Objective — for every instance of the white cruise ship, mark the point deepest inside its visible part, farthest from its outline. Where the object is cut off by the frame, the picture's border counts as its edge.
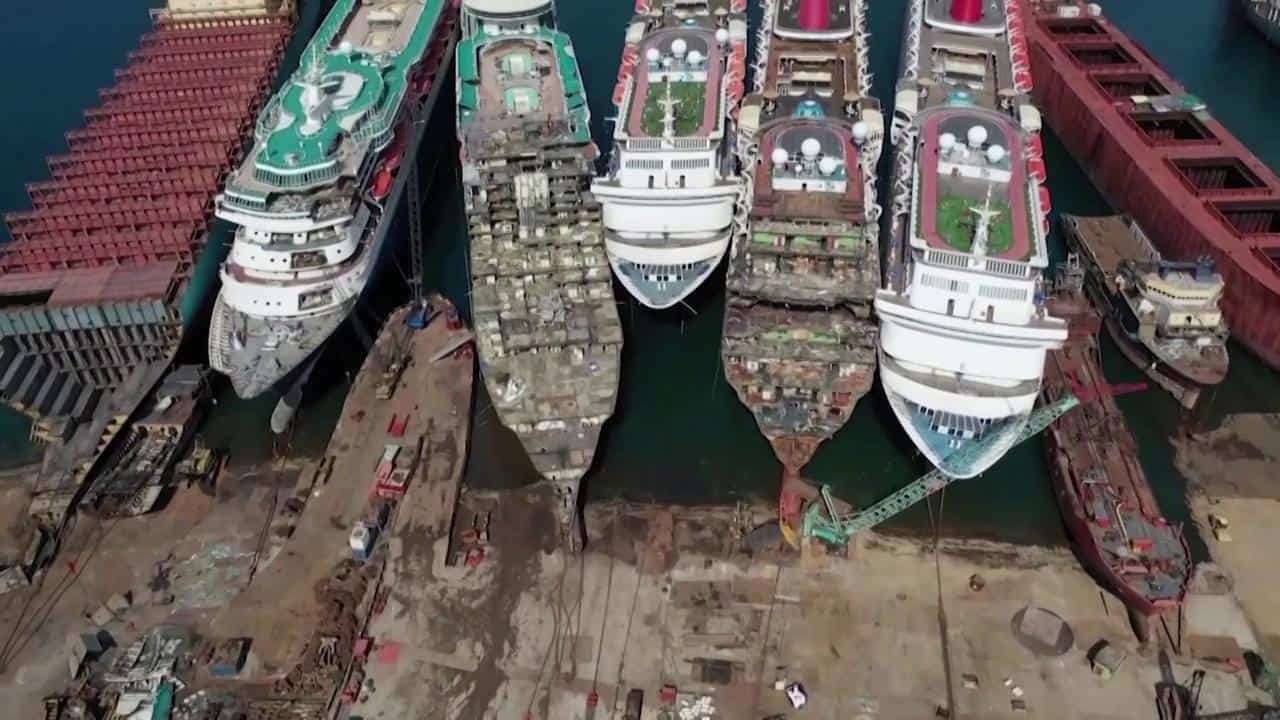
(310, 197)
(963, 326)
(670, 192)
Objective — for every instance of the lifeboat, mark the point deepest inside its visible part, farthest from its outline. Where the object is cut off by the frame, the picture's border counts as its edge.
(1045, 205)
(1036, 169)
(1035, 146)
(382, 183)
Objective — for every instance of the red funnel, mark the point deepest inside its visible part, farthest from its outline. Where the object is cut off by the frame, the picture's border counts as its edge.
(815, 14)
(966, 11)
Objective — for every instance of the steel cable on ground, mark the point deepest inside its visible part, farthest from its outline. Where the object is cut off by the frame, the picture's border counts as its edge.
(942, 609)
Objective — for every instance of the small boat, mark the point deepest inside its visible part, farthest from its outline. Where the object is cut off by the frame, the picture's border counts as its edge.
(1164, 316)
(1106, 502)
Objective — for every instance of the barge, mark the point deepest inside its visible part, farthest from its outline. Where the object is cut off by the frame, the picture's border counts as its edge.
(547, 329)
(104, 273)
(1163, 316)
(672, 184)
(1158, 155)
(799, 341)
(1110, 512)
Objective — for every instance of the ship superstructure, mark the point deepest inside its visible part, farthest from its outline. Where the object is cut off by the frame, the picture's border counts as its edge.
(310, 199)
(669, 194)
(962, 320)
(547, 328)
(1163, 315)
(799, 341)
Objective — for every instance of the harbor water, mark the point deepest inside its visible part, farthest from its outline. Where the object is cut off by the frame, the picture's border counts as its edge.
(679, 433)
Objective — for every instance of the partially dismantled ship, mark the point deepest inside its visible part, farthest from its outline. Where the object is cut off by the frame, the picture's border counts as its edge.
(1264, 15)
(1158, 156)
(1163, 316)
(963, 328)
(546, 325)
(669, 194)
(315, 199)
(1103, 493)
(799, 341)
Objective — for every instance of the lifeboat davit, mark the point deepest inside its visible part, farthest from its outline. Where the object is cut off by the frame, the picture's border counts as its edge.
(1036, 169)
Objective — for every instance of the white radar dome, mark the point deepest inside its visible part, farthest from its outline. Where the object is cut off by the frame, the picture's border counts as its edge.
(345, 47)
(653, 55)
(810, 148)
(667, 62)
(695, 57)
(678, 47)
(722, 36)
(828, 165)
(780, 156)
(946, 141)
(976, 136)
(995, 154)
(860, 131)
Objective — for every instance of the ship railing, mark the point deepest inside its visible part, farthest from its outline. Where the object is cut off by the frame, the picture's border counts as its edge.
(911, 45)
(267, 119)
(862, 46)
(965, 261)
(764, 36)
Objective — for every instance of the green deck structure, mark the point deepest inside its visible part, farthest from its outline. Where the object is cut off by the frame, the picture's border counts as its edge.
(956, 224)
(288, 156)
(690, 98)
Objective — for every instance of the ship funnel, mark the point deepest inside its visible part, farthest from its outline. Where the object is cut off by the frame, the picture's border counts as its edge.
(966, 11)
(810, 148)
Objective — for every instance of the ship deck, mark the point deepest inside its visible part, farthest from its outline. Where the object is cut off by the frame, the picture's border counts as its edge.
(697, 90)
(819, 18)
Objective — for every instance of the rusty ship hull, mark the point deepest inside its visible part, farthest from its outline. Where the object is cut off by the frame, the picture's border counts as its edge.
(1157, 155)
(799, 339)
(1182, 377)
(1106, 502)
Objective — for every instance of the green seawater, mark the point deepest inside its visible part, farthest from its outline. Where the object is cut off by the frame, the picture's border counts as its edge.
(679, 433)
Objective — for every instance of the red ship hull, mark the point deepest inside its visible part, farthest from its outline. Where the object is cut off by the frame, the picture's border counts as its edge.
(1191, 185)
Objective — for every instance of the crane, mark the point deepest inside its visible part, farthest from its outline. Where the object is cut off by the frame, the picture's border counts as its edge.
(835, 528)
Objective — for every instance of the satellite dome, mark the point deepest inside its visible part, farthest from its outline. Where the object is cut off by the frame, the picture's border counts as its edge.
(345, 47)
(977, 135)
(946, 141)
(780, 156)
(667, 62)
(695, 57)
(828, 165)
(653, 54)
(995, 154)
(722, 36)
(678, 47)
(810, 148)
(860, 131)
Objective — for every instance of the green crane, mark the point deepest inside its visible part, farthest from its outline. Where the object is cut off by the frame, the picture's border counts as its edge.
(835, 529)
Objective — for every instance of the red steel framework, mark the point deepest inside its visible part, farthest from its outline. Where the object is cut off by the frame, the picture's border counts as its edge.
(1162, 159)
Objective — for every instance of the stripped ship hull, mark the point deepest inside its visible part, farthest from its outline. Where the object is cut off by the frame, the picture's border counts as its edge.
(1158, 156)
(1107, 503)
(799, 340)
(547, 328)
(260, 352)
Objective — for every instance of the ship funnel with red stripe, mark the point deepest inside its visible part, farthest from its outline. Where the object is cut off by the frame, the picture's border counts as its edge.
(966, 11)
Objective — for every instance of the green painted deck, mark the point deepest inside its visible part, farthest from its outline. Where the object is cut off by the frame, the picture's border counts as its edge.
(691, 98)
(366, 117)
(956, 224)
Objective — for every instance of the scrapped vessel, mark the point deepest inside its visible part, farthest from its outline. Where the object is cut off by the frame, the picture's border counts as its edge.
(1108, 506)
(146, 459)
(669, 195)
(314, 200)
(1159, 157)
(542, 302)
(799, 343)
(963, 327)
(1265, 15)
(104, 273)
(1163, 315)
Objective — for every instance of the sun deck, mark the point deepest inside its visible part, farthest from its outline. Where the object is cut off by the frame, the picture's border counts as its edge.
(681, 69)
(973, 186)
(797, 68)
(814, 19)
(810, 171)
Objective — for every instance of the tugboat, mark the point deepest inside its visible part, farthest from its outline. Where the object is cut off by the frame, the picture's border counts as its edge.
(1108, 506)
(1163, 315)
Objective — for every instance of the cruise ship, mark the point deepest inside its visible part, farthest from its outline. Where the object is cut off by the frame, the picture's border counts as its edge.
(547, 328)
(963, 322)
(799, 340)
(310, 199)
(669, 194)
